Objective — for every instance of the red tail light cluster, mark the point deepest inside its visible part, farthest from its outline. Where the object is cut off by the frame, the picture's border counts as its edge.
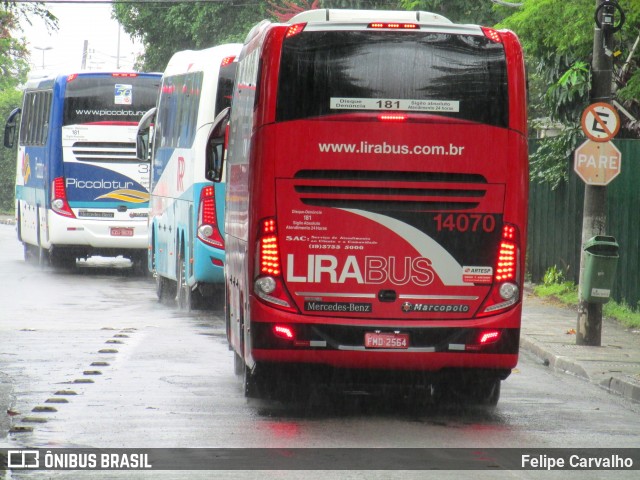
(269, 256)
(268, 282)
(59, 202)
(208, 230)
(505, 291)
(507, 256)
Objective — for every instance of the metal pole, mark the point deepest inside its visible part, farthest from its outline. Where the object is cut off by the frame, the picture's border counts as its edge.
(594, 220)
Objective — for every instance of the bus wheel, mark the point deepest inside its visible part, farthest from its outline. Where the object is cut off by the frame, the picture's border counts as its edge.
(185, 300)
(62, 260)
(31, 253)
(483, 392)
(139, 264)
(254, 381)
(165, 288)
(238, 364)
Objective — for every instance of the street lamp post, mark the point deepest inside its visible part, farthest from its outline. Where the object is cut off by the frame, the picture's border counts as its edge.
(43, 50)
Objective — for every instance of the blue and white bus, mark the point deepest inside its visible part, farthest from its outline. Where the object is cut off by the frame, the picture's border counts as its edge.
(80, 189)
(186, 246)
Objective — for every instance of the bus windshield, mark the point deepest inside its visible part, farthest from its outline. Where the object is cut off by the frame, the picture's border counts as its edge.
(91, 99)
(334, 72)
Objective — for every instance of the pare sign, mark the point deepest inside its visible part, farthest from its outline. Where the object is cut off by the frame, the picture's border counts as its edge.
(597, 163)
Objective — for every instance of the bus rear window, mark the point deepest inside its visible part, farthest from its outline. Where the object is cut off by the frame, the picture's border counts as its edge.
(90, 99)
(334, 72)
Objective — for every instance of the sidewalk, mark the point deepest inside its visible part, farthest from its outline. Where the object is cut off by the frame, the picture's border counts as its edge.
(546, 332)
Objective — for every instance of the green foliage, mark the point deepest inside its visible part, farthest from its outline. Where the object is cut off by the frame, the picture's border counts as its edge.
(13, 53)
(553, 275)
(566, 97)
(9, 99)
(565, 292)
(165, 28)
(550, 162)
(460, 11)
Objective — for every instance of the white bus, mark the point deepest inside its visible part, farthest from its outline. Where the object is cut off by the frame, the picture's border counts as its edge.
(80, 190)
(186, 246)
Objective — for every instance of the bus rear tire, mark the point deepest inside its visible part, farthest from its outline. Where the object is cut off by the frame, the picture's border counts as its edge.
(185, 295)
(255, 382)
(482, 392)
(62, 260)
(165, 288)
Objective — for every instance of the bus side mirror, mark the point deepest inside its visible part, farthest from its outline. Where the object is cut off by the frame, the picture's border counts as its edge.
(214, 160)
(10, 128)
(144, 136)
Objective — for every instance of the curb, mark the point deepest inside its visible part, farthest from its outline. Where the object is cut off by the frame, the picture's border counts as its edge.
(623, 385)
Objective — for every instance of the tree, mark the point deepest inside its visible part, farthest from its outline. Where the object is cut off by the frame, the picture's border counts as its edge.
(165, 28)
(557, 38)
(14, 55)
(484, 12)
(9, 99)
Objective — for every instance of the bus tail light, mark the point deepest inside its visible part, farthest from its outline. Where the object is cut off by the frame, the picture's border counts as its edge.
(59, 202)
(392, 118)
(268, 283)
(283, 331)
(492, 34)
(208, 230)
(395, 25)
(505, 291)
(226, 61)
(294, 30)
(484, 339)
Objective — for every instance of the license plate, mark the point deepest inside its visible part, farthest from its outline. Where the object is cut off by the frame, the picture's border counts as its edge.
(386, 340)
(122, 232)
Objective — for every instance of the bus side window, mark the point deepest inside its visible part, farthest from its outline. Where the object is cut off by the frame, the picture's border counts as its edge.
(10, 128)
(216, 146)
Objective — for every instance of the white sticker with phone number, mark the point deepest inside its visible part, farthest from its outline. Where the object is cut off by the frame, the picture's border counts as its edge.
(340, 103)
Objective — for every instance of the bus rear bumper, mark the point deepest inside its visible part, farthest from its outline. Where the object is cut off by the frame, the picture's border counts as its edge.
(386, 360)
(98, 234)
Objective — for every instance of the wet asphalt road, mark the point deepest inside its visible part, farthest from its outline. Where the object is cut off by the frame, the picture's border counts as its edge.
(89, 358)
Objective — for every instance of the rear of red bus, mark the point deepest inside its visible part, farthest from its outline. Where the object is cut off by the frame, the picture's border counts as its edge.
(386, 185)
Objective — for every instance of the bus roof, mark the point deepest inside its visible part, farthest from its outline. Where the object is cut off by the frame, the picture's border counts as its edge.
(47, 80)
(200, 60)
(359, 16)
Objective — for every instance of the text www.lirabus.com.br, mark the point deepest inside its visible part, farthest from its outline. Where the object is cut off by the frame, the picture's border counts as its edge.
(391, 149)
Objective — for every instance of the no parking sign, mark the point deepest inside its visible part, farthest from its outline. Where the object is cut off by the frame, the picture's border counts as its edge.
(600, 122)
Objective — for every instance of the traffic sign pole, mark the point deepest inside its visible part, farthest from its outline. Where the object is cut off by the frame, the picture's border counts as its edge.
(594, 220)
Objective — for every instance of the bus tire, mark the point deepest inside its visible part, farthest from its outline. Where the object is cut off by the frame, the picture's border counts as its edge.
(238, 364)
(254, 382)
(185, 295)
(165, 288)
(482, 392)
(62, 260)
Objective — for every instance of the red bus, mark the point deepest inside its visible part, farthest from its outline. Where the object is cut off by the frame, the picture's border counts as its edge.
(376, 209)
